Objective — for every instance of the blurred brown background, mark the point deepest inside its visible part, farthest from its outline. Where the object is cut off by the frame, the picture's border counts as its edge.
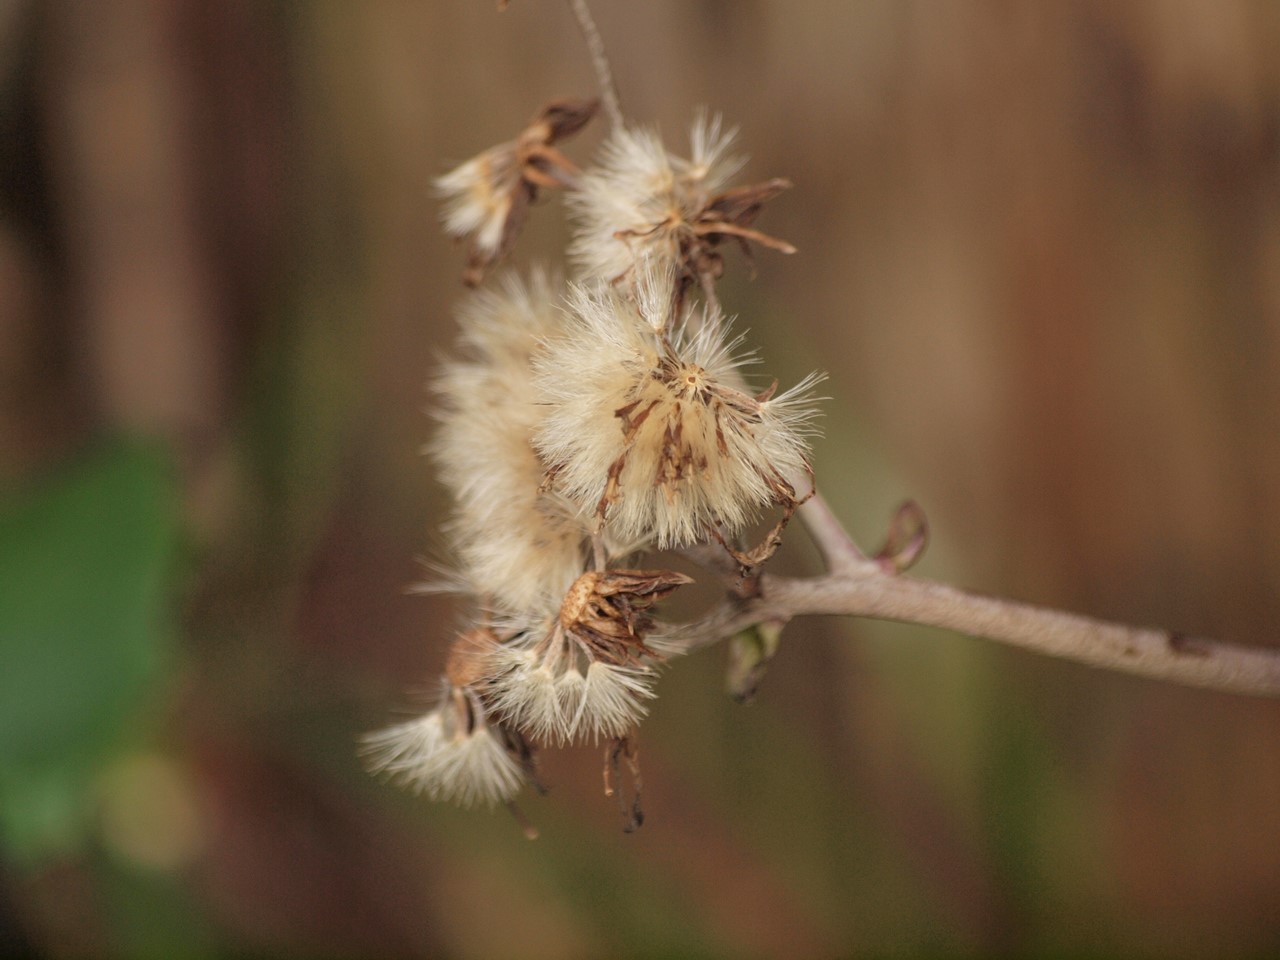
(1040, 260)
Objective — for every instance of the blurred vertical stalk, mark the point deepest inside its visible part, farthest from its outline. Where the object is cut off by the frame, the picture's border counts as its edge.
(120, 110)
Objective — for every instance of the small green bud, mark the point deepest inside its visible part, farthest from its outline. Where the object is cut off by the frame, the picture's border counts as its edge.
(749, 654)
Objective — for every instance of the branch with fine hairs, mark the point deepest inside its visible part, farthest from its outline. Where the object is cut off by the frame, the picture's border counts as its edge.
(604, 75)
(858, 586)
(838, 549)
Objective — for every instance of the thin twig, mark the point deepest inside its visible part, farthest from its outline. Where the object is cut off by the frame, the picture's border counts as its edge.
(1155, 653)
(604, 75)
(838, 550)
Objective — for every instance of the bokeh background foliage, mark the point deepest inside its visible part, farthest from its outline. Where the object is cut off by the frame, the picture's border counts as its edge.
(1040, 258)
(84, 586)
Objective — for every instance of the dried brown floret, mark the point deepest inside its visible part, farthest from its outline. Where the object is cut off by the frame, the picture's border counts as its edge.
(487, 197)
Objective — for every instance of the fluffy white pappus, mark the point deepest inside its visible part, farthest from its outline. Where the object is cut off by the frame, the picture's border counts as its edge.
(500, 327)
(520, 547)
(451, 753)
(667, 643)
(653, 292)
(612, 700)
(546, 685)
(478, 197)
(638, 200)
(654, 431)
(516, 567)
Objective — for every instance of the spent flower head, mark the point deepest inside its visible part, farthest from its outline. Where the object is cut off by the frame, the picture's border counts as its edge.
(516, 544)
(457, 751)
(586, 671)
(486, 198)
(642, 202)
(654, 432)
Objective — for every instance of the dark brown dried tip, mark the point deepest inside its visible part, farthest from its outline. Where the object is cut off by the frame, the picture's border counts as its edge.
(566, 117)
(606, 611)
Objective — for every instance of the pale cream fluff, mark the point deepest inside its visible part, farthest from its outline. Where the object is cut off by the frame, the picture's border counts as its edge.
(452, 753)
(546, 684)
(478, 196)
(652, 430)
(520, 547)
(638, 200)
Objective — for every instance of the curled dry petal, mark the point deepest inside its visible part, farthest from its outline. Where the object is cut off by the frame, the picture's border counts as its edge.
(906, 540)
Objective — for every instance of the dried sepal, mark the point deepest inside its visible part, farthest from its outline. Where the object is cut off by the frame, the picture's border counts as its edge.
(729, 214)
(606, 611)
(906, 539)
(750, 560)
(487, 198)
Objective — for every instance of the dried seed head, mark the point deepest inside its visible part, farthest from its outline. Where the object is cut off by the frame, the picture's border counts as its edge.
(455, 752)
(605, 611)
(640, 201)
(486, 198)
(586, 672)
(547, 687)
(653, 432)
(519, 546)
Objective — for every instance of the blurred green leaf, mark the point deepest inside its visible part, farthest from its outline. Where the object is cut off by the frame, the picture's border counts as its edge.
(84, 572)
(152, 916)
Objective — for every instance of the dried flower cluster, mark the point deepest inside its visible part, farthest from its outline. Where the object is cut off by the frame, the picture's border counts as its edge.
(582, 426)
(586, 426)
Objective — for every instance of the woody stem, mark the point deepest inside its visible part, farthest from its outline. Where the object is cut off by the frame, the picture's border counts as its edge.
(839, 552)
(865, 590)
(599, 60)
